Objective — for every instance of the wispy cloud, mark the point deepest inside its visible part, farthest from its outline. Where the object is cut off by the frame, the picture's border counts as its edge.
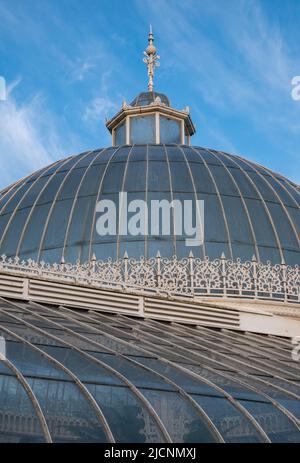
(28, 141)
(241, 66)
(98, 109)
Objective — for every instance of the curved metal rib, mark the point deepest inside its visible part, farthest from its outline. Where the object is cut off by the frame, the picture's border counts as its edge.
(202, 379)
(131, 386)
(75, 379)
(32, 397)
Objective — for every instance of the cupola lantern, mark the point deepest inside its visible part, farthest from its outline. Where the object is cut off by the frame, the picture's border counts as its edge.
(149, 118)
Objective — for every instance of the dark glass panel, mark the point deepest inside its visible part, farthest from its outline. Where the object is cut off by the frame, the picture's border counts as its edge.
(81, 366)
(14, 231)
(192, 155)
(291, 257)
(34, 192)
(15, 200)
(70, 417)
(127, 417)
(202, 179)
(34, 230)
(139, 153)
(56, 229)
(142, 129)
(135, 373)
(276, 425)
(188, 383)
(245, 186)
(170, 130)
(269, 253)
(120, 134)
(92, 180)
(214, 223)
(238, 222)
(87, 160)
(32, 363)
(156, 153)
(52, 188)
(263, 187)
(71, 183)
(113, 178)
(80, 226)
(180, 177)
(134, 248)
(18, 419)
(284, 230)
(158, 176)
(122, 154)
(136, 178)
(223, 180)
(231, 423)
(182, 421)
(263, 230)
(208, 157)
(107, 155)
(281, 191)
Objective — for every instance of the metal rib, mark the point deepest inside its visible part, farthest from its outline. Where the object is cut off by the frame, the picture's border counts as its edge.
(219, 198)
(279, 199)
(263, 203)
(13, 214)
(241, 197)
(55, 201)
(196, 197)
(97, 199)
(131, 386)
(228, 345)
(240, 362)
(122, 189)
(202, 379)
(59, 167)
(58, 364)
(32, 397)
(172, 198)
(76, 197)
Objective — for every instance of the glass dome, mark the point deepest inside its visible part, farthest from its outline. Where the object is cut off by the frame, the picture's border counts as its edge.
(147, 98)
(249, 210)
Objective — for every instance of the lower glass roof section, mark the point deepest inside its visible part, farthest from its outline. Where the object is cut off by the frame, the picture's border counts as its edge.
(87, 376)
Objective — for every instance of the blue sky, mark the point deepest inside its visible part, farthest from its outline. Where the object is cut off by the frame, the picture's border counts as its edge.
(69, 63)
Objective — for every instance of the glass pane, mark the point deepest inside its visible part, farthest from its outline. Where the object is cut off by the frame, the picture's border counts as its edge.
(231, 423)
(182, 421)
(170, 130)
(142, 129)
(276, 425)
(69, 416)
(127, 418)
(120, 134)
(18, 419)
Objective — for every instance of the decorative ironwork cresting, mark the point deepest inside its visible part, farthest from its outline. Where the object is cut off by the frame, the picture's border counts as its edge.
(151, 59)
(188, 277)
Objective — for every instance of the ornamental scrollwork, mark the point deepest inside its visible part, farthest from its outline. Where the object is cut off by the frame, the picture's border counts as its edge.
(188, 276)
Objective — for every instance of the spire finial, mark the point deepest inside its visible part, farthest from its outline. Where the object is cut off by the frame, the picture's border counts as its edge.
(151, 59)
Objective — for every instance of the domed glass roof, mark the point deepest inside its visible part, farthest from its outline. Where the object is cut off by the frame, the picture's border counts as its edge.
(147, 98)
(249, 210)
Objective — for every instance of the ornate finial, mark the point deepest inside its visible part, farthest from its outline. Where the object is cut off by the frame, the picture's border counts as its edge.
(151, 59)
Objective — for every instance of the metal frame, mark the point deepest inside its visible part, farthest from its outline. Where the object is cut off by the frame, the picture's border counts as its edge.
(120, 320)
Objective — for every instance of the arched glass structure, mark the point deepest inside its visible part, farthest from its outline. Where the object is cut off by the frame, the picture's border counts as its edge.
(147, 98)
(71, 376)
(249, 210)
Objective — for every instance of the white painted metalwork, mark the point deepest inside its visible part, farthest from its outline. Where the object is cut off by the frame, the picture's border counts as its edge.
(188, 277)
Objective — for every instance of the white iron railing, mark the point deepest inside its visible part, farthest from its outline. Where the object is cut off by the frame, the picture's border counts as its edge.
(189, 276)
